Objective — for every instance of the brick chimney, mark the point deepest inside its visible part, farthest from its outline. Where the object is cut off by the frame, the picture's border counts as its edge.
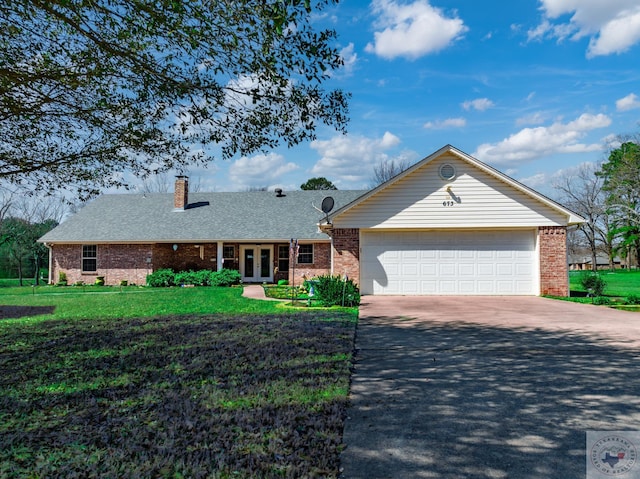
(181, 193)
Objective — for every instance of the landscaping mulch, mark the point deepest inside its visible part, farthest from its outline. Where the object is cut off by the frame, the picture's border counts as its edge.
(176, 397)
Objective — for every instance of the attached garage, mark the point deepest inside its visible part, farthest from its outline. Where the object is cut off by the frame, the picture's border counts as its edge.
(449, 262)
(452, 225)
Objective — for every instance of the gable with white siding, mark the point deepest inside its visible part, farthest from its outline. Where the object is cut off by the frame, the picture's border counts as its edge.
(478, 197)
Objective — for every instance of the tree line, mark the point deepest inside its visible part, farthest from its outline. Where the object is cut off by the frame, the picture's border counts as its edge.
(607, 195)
(23, 220)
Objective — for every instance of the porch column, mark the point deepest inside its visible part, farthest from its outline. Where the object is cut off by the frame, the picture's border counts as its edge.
(219, 256)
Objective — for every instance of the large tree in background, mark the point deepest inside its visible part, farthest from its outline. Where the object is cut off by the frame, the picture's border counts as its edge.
(621, 175)
(582, 191)
(387, 169)
(89, 90)
(319, 183)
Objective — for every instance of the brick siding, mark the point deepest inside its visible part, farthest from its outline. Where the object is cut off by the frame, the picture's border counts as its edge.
(186, 257)
(114, 262)
(554, 274)
(321, 264)
(118, 262)
(346, 252)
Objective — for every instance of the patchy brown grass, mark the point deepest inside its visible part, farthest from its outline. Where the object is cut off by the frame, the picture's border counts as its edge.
(216, 396)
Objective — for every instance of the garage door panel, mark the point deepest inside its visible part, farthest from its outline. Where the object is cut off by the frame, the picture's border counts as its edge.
(467, 270)
(428, 269)
(504, 269)
(485, 269)
(466, 287)
(448, 262)
(447, 254)
(447, 269)
(409, 269)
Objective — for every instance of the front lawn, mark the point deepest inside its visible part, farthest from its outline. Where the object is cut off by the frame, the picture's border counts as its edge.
(79, 302)
(178, 396)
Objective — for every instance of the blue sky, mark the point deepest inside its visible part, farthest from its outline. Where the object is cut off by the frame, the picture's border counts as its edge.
(531, 87)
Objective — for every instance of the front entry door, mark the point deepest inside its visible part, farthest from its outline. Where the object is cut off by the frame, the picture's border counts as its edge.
(256, 264)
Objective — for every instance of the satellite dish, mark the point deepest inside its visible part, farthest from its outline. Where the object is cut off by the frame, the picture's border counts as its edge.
(327, 204)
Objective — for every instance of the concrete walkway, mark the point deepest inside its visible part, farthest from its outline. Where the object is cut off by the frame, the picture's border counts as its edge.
(479, 387)
(254, 291)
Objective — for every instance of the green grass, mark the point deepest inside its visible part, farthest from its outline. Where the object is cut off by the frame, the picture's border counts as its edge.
(620, 286)
(170, 383)
(620, 283)
(79, 302)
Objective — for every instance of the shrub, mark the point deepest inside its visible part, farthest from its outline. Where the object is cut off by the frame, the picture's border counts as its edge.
(601, 300)
(632, 299)
(62, 279)
(283, 282)
(224, 277)
(99, 281)
(334, 290)
(161, 278)
(195, 278)
(593, 283)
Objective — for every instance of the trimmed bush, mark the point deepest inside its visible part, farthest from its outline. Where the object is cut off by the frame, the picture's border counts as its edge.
(161, 278)
(334, 291)
(283, 282)
(601, 301)
(593, 283)
(224, 277)
(194, 278)
(632, 299)
(167, 277)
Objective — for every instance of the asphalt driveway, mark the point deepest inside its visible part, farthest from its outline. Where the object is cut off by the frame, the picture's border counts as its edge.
(482, 387)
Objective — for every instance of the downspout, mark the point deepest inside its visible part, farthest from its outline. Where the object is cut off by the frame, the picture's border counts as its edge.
(50, 263)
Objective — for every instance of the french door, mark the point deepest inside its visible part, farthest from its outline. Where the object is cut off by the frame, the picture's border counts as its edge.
(256, 265)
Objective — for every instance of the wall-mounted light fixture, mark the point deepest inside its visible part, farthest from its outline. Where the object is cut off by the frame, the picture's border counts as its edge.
(175, 247)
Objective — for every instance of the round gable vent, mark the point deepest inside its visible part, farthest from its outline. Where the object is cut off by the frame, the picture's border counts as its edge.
(447, 172)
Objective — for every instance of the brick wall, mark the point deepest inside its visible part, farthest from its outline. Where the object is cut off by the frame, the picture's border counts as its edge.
(114, 262)
(346, 252)
(186, 257)
(117, 262)
(554, 274)
(321, 264)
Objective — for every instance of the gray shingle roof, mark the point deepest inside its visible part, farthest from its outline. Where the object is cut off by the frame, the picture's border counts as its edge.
(242, 216)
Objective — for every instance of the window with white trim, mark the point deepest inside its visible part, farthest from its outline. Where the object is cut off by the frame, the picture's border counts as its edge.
(305, 254)
(89, 258)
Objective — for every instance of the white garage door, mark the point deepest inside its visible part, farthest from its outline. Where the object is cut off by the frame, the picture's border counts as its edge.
(452, 262)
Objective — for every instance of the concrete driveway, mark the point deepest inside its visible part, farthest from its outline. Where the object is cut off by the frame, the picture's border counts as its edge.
(487, 387)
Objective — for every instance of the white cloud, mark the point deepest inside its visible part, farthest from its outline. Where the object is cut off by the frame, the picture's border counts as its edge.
(352, 158)
(444, 124)
(259, 170)
(412, 30)
(531, 143)
(536, 118)
(350, 59)
(480, 104)
(536, 181)
(613, 26)
(629, 102)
